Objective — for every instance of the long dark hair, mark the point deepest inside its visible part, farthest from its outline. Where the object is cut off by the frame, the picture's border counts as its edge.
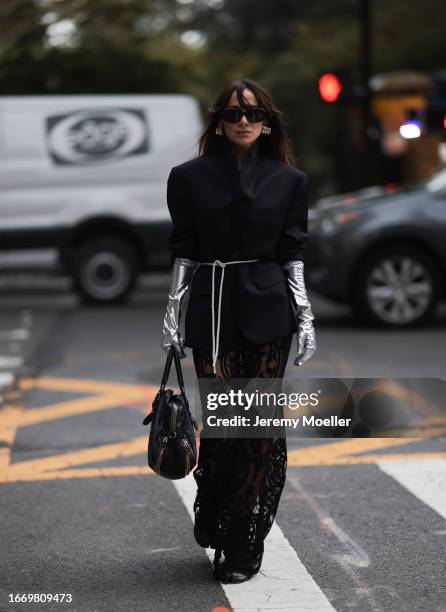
(276, 145)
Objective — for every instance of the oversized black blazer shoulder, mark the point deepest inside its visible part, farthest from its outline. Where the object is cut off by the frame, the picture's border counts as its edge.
(271, 199)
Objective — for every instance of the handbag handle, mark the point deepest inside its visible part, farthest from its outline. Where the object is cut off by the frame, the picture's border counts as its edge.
(172, 355)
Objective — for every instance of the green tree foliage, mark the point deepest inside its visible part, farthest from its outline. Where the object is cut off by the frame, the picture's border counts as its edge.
(196, 46)
(85, 46)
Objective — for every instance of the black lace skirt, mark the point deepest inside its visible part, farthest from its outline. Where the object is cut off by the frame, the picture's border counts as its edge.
(240, 480)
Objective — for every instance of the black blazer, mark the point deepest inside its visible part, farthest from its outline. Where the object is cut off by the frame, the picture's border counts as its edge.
(222, 212)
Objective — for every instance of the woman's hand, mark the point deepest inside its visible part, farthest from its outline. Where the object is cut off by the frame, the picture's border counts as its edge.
(182, 275)
(306, 337)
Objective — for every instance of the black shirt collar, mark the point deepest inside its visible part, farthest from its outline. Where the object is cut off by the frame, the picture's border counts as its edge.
(251, 154)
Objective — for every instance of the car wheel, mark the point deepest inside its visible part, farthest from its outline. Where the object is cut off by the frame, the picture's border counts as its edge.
(397, 286)
(104, 269)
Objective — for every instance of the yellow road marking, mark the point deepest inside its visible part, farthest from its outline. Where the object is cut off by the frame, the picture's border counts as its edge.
(107, 395)
(76, 407)
(354, 451)
(131, 470)
(10, 417)
(424, 407)
(53, 466)
(103, 395)
(103, 452)
(78, 385)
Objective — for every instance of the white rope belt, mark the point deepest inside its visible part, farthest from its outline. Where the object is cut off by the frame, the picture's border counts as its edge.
(216, 334)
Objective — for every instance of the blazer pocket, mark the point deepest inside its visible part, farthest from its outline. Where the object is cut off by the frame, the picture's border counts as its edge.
(268, 278)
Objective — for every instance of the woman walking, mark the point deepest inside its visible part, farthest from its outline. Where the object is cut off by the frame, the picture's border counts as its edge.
(239, 212)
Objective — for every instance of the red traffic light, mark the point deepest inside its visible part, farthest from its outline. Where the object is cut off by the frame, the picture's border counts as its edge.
(330, 87)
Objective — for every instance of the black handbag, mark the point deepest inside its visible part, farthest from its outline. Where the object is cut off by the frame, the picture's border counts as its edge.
(172, 450)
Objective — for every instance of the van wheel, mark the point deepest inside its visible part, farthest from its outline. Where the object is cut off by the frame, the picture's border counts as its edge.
(104, 269)
(397, 286)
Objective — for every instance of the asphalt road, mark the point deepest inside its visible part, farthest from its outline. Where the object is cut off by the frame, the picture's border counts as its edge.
(81, 514)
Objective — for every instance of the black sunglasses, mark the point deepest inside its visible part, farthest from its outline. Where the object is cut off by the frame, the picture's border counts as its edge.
(233, 114)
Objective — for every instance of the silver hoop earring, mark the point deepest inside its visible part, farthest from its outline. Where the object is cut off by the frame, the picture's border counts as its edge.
(219, 131)
(266, 129)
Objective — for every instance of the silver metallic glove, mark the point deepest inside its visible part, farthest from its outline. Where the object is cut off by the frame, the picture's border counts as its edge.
(306, 338)
(182, 274)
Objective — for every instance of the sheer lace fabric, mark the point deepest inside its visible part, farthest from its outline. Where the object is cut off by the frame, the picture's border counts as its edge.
(240, 480)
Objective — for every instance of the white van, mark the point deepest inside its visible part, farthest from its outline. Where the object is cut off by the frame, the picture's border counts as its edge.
(86, 175)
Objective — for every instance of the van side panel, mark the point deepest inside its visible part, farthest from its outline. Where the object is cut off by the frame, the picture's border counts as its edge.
(69, 160)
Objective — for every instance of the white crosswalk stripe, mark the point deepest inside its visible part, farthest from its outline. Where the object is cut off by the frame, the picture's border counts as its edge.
(425, 479)
(283, 582)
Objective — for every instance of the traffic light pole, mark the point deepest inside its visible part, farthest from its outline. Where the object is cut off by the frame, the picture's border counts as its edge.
(366, 71)
(366, 50)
